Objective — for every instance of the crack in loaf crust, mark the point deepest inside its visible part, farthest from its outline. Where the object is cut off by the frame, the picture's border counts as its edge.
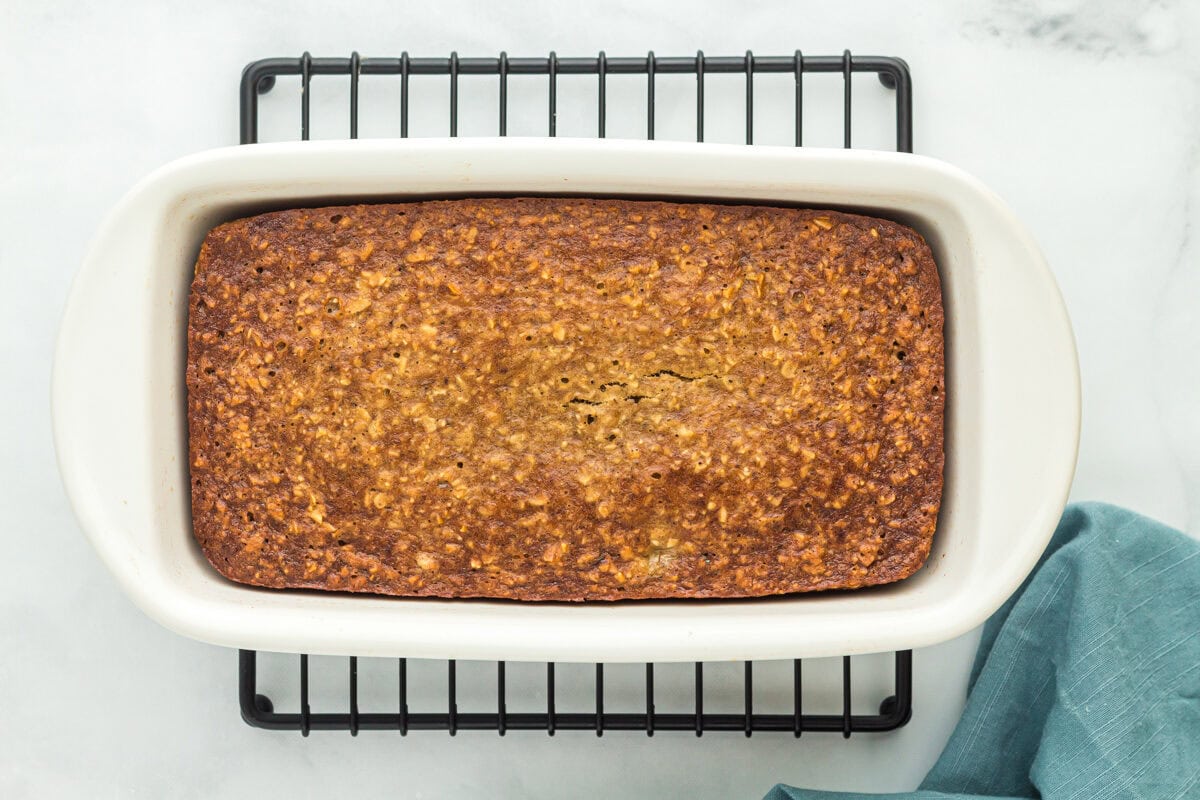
(565, 399)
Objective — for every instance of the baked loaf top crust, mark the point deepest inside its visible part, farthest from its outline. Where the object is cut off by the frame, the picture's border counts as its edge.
(565, 399)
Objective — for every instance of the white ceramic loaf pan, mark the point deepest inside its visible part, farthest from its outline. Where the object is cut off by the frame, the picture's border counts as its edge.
(1012, 422)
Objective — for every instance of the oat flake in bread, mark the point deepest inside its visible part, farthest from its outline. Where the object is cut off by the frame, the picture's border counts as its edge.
(565, 399)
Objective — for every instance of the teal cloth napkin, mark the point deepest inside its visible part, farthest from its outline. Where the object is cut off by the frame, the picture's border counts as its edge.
(1087, 681)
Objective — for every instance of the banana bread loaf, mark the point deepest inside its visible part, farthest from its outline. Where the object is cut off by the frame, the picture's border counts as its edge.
(565, 399)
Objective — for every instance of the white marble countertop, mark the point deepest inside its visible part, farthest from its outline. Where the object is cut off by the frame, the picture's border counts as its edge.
(1082, 115)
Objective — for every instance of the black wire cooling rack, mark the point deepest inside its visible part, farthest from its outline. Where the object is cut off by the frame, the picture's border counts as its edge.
(259, 77)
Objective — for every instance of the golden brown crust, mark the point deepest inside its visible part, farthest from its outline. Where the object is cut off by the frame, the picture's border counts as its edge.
(565, 399)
